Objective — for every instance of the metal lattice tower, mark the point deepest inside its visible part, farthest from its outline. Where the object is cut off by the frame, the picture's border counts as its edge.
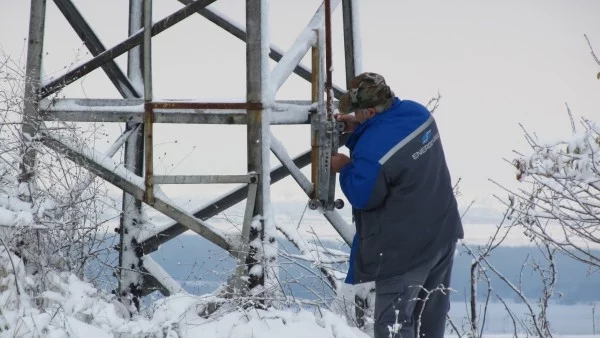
(140, 112)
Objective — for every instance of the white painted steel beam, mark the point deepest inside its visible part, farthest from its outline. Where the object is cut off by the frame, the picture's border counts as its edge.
(307, 38)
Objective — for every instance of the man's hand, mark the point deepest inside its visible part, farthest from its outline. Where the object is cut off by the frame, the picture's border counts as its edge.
(350, 122)
(338, 161)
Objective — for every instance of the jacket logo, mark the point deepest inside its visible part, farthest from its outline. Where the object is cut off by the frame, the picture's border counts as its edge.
(426, 137)
(428, 141)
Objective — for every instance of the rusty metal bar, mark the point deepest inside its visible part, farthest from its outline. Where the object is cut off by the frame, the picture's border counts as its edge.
(110, 54)
(328, 60)
(148, 147)
(148, 112)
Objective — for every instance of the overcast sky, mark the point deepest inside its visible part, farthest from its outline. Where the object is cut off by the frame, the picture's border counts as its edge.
(495, 63)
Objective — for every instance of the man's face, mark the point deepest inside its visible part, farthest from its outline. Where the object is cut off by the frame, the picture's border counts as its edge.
(362, 115)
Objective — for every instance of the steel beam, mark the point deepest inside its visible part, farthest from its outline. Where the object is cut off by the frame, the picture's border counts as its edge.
(73, 75)
(131, 280)
(301, 45)
(133, 184)
(256, 90)
(351, 37)
(35, 46)
(148, 113)
(152, 243)
(205, 179)
(132, 111)
(155, 276)
(219, 205)
(275, 54)
(95, 46)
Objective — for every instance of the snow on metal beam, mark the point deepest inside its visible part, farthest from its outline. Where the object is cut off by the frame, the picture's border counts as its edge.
(304, 41)
(169, 285)
(132, 110)
(113, 172)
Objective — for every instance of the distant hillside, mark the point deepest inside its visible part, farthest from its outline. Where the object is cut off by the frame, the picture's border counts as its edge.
(200, 266)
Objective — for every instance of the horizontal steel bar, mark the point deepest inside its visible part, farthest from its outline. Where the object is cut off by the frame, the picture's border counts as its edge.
(126, 181)
(110, 54)
(132, 110)
(160, 116)
(204, 179)
(206, 105)
(151, 244)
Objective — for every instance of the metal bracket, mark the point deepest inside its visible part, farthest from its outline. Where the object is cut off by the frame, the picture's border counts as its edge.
(325, 130)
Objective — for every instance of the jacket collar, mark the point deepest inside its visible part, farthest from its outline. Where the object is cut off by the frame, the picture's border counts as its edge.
(373, 120)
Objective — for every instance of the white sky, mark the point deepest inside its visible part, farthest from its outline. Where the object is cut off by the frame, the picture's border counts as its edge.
(495, 63)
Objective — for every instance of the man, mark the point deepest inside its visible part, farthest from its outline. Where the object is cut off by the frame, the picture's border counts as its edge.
(407, 221)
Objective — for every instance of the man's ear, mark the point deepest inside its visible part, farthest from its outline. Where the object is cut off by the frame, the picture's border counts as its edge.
(372, 112)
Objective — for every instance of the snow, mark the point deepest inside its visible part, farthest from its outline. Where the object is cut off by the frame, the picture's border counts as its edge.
(75, 308)
(289, 113)
(161, 275)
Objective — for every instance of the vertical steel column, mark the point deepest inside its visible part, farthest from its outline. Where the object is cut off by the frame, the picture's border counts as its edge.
(328, 60)
(148, 110)
(351, 39)
(255, 67)
(353, 68)
(130, 279)
(35, 46)
(316, 97)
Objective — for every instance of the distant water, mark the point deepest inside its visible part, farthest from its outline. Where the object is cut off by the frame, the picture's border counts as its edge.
(564, 319)
(201, 266)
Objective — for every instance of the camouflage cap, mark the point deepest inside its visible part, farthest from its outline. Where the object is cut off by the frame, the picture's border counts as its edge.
(367, 90)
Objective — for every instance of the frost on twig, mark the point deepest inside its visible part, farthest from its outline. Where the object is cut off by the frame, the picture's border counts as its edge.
(562, 204)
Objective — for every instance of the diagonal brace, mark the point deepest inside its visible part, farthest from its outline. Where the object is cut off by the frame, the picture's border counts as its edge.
(152, 243)
(239, 32)
(109, 170)
(128, 44)
(95, 46)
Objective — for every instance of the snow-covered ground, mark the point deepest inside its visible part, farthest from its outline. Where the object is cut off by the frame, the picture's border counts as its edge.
(71, 307)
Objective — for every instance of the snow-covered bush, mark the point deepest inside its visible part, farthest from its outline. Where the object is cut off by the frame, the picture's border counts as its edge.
(562, 204)
(53, 219)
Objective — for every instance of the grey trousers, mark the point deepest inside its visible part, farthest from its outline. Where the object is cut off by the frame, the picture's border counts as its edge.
(415, 303)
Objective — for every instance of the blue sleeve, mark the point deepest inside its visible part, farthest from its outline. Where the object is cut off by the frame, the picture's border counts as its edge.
(363, 183)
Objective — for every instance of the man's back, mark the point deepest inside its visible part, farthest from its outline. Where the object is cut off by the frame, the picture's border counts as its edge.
(401, 191)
